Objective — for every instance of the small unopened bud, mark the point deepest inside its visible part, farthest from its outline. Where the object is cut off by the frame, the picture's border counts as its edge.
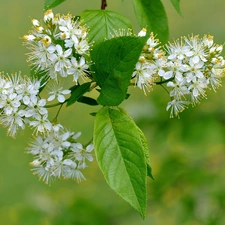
(46, 41)
(35, 163)
(145, 48)
(142, 59)
(63, 35)
(28, 37)
(55, 20)
(142, 33)
(48, 15)
(35, 22)
(39, 29)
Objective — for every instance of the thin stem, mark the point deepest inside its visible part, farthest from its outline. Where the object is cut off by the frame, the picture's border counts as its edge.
(164, 81)
(164, 88)
(56, 104)
(55, 119)
(104, 4)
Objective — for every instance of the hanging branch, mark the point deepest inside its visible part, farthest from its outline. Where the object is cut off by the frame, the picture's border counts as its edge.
(104, 4)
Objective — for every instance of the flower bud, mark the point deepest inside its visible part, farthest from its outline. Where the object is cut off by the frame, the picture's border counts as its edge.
(35, 22)
(48, 15)
(46, 41)
(142, 33)
(28, 37)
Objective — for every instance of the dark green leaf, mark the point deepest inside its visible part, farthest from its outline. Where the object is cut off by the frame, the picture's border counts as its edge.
(77, 92)
(176, 5)
(152, 16)
(114, 62)
(93, 114)
(87, 100)
(49, 4)
(103, 24)
(120, 155)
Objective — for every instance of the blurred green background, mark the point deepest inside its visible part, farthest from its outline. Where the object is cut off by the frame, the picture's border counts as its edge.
(187, 154)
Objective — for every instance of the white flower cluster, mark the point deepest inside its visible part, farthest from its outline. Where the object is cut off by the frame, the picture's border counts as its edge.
(188, 67)
(58, 47)
(20, 105)
(55, 150)
(59, 156)
(194, 64)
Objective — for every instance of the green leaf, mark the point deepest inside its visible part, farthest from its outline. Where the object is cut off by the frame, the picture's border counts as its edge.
(145, 148)
(152, 16)
(114, 62)
(103, 24)
(49, 4)
(176, 5)
(120, 156)
(77, 92)
(146, 151)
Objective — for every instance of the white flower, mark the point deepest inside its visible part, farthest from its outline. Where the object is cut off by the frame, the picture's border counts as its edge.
(78, 69)
(82, 154)
(165, 74)
(152, 42)
(73, 173)
(36, 146)
(43, 174)
(40, 55)
(176, 106)
(58, 92)
(13, 122)
(60, 59)
(41, 124)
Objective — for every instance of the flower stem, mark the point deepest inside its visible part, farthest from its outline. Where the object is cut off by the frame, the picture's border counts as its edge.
(104, 4)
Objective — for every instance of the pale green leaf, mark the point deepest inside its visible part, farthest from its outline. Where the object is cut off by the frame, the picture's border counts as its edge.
(120, 155)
